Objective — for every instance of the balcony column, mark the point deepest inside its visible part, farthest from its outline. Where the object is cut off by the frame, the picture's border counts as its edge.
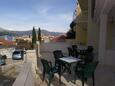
(102, 38)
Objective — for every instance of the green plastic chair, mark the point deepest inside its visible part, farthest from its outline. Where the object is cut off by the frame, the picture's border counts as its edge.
(48, 69)
(57, 54)
(64, 66)
(87, 71)
(70, 51)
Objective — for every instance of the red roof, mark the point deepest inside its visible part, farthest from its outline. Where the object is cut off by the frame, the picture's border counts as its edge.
(60, 38)
(6, 42)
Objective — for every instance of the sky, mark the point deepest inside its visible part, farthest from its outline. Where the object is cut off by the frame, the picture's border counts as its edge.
(52, 15)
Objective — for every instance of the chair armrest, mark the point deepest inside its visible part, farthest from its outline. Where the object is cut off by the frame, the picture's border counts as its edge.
(65, 55)
(50, 63)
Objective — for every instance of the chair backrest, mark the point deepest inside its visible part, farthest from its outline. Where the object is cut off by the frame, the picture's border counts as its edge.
(89, 57)
(70, 51)
(46, 65)
(58, 54)
(90, 49)
(74, 47)
(89, 69)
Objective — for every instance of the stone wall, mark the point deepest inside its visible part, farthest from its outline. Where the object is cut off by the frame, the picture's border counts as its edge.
(7, 52)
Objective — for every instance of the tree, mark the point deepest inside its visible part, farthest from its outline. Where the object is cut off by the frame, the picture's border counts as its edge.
(39, 35)
(33, 36)
(70, 34)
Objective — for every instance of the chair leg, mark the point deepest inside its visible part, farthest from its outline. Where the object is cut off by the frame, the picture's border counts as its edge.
(49, 82)
(43, 75)
(69, 68)
(82, 82)
(74, 78)
(50, 78)
(93, 79)
(59, 72)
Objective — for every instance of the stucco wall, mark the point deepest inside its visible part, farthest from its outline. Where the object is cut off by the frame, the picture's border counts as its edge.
(50, 47)
(109, 57)
(109, 36)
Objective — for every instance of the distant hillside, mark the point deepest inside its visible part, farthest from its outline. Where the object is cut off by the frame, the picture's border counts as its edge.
(29, 32)
(19, 33)
(2, 29)
(45, 32)
(6, 32)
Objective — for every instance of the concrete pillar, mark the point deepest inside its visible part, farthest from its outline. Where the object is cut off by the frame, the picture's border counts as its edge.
(102, 37)
(92, 31)
(89, 28)
(38, 49)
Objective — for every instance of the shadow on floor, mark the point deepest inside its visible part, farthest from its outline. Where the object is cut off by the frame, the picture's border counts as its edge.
(54, 82)
(6, 80)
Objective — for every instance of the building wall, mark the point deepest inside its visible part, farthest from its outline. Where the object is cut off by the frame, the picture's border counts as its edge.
(93, 29)
(109, 36)
(94, 33)
(3, 37)
(81, 27)
(87, 30)
(81, 35)
(113, 37)
(108, 54)
(78, 9)
(7, 37)
(109, 57)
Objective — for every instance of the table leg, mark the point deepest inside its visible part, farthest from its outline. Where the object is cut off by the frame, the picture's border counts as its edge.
(60, 73)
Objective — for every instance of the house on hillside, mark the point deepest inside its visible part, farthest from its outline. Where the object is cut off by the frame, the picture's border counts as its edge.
(6, 43)
(61, 38)
(95, 25)
(7, 37)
